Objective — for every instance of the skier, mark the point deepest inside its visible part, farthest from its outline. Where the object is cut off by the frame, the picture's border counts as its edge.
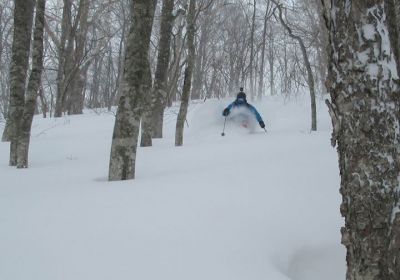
(244, 111)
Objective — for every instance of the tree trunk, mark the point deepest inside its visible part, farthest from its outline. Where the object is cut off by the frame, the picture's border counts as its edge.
(271, 60)
(71, 68)
(33, 87)
(24, 11)
(188, 74)
(310, 78)
(43, 102)
(365, 117)
(95, 87)
(286, 82)
(108, 80)
(62, 55)
(264, 35)
(322, 54)
(146, 140)
(160, 79)
(176, 66)
(23, 16)
(116, 93)
(120, 67)
(127, 121)
(253, 26)
(199, 73)
(77, 79)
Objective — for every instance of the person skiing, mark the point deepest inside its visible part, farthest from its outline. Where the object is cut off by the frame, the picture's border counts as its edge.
(244, 110)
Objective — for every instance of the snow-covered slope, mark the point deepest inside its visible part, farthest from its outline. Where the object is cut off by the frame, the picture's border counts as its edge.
(244, 206)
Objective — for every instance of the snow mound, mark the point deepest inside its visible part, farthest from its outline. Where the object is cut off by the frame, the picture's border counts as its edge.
(240, 207)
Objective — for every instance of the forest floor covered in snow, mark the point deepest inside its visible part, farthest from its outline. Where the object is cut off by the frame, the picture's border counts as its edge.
(247, 206)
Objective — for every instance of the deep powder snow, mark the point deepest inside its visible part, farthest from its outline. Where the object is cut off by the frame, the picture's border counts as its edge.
(247, 206)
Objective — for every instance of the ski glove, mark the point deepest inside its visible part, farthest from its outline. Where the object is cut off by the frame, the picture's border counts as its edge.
(225, 112)
(262, 124)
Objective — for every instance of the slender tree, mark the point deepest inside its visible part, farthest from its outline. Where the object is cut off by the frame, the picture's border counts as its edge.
(23, 16)
(364, 108)
(161, 74)
(63, 54)
(201, 58)
(267, 16)
(130, 108)
(6, 16)
(72, 63)
(271, 60)
(191, 22)
(310, 76)
(176, 65)
(146, 124)
(77, 76)
(251, 66)
(33, 87)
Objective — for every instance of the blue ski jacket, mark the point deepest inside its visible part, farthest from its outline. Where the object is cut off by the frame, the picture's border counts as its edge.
(242, 103)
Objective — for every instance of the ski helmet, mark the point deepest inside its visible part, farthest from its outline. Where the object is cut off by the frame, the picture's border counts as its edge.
(241, 96)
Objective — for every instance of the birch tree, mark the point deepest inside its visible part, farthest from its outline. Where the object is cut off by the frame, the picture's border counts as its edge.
(364, 88)
(6, 22)
(33, 87)
(188, 74)
(161, 74)
(146, 125)
(23, 16)
(130, 107)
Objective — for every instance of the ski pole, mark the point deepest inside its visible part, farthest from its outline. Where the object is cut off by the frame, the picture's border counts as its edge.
(265, 130)
(223, 131)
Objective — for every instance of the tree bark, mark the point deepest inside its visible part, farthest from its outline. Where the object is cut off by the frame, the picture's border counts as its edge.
(146, 136)
(43, 102)
(161, 74)
(392, 8)
(365, 114)
(23, 16)
(130, 109)
(116, 93)
(120, 66)
(95, 87)
(33, 87)
(180, 123)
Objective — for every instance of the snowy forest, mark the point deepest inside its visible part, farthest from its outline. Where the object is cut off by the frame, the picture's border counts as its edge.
(200, 139)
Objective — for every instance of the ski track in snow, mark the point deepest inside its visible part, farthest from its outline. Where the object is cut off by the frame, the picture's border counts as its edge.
(244, 206)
